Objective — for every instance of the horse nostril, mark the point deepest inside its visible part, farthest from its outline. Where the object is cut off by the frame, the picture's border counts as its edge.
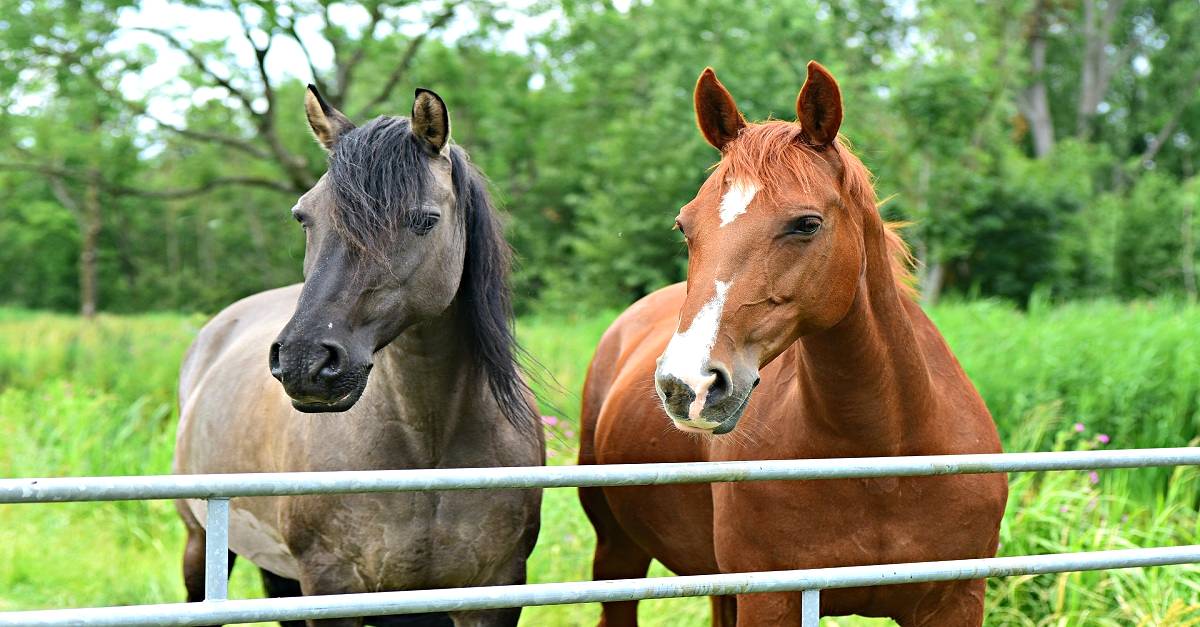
(676, 395)
(276, 371)
(720, 385)
(335, 360)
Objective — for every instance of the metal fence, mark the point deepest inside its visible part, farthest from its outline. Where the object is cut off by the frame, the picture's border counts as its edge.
(218, 489)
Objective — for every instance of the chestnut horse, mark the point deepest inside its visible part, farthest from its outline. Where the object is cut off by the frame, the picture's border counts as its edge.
(797, 288)
(396, 352)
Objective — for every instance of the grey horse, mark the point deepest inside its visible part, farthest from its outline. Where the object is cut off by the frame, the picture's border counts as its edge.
(396, 352)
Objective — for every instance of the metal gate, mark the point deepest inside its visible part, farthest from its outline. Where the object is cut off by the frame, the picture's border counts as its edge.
(218, 489)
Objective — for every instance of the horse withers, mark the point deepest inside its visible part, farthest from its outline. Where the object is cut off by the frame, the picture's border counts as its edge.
(396, 352)
(795, 336)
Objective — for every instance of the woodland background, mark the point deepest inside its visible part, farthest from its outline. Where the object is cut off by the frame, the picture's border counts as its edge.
(1042, 146)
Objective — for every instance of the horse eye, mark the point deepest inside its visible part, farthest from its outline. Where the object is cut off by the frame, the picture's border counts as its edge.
(423, 223)
(808, 225)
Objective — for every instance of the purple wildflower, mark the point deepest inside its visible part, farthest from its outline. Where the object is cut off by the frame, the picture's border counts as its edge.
(1094, 477)
(1103, 438)
(1079, 428)
(549, 421)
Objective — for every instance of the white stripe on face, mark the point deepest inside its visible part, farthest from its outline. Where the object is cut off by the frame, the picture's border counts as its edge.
(688, 352)
(736, 200)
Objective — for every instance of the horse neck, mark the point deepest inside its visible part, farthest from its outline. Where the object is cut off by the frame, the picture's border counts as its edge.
(430, 378)
(865, 382)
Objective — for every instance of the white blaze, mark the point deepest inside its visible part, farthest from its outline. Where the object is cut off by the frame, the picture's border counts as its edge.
(736, 200)
(687, 354)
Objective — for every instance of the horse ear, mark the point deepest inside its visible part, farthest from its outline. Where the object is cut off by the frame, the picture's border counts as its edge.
(327, 124)
(716, 112)
(819, 106)
(431, 120)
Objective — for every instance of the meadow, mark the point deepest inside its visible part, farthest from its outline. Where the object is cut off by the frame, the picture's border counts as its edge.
(98, 398)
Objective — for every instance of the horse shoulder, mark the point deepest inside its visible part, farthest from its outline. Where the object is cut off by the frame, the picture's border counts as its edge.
(229, 354)
(965, 424)
(622, 415)
(223, 331)
(636, 327)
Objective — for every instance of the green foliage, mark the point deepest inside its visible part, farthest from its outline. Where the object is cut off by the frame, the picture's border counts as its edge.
(32, 223)
(623, 129)
(587, 132)
(97, 398)
(1147, 249)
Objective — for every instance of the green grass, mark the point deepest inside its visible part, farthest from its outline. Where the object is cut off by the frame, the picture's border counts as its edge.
(99, 399)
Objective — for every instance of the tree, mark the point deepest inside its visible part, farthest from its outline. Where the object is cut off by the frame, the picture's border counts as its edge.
(1019, 138)
(56, 54)
(43, 53)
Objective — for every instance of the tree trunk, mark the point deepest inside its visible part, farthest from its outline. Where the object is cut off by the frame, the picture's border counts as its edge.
(87, 216)
(1035, 103)
(88, 247)
(931, 283)
(932, 270)
(1096, 68)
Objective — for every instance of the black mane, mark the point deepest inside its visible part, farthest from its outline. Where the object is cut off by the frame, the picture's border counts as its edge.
(380, 175)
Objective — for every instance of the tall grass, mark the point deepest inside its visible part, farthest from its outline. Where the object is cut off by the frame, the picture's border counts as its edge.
(1129, 371)
(99, 399)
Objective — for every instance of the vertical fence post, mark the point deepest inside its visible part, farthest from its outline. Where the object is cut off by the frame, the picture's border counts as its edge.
(216, 550)
(810, 608)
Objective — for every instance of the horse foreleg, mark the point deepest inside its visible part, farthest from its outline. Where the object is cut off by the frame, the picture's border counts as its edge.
(617, 556)
(724, 611)
(487, 618)
(780, 608)
(193, 566)
(959, 605)
(279, 587)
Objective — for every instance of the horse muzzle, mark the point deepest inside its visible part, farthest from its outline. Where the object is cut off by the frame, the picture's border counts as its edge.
(708, 403)
(320, 377)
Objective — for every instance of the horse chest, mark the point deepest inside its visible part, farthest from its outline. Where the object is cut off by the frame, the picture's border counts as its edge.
(383, 541)
(842, 522)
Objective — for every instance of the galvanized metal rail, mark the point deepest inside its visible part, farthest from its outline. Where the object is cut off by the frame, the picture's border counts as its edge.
(218, 489)
(456, 599)
(279, 484)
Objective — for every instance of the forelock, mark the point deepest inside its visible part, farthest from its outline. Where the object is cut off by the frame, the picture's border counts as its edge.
(774, 156)
(379, 177)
